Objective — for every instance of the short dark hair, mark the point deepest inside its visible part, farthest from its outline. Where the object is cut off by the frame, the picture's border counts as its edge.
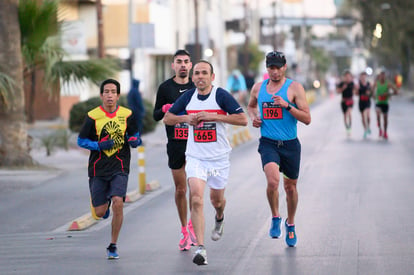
(181, 52)
(111, 81)
(205, 61)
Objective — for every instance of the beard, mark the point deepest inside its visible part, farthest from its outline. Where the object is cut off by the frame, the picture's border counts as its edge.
(276, 79)
(183, 74)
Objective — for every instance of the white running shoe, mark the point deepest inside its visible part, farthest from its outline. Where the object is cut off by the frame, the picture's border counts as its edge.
(200, 256)
(217, 230)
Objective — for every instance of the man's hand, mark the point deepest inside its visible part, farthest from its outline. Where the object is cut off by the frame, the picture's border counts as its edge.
(134, 142)
(193, 120)
(106, 143)
(205, 116)
(256, 122)
(278, 100)
(166, 107)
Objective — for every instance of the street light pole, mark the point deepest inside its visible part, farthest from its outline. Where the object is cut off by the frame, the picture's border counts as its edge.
(101, 49)
(197, 42)
(247, 40)
(131, 49)
(274, 35)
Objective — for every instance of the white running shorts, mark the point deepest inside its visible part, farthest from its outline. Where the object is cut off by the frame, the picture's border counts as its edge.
(214, 172)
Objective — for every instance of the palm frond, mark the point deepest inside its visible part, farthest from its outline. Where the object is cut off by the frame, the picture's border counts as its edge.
(38, 21)
(7, 88)
(94, 70)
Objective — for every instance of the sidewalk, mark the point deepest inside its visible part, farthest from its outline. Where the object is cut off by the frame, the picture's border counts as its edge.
(60, 160)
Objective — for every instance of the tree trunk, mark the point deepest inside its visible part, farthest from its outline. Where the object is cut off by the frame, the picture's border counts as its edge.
(14, 149)
(32, 97)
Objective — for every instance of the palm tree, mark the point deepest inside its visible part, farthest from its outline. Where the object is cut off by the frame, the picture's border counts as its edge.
(13, 128)
(40, 50)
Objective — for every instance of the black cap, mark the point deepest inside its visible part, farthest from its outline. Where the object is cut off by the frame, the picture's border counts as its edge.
(275, 58)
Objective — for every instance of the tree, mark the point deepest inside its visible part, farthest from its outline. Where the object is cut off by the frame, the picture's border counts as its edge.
(394, 48)
(41, 49)
(13, 128)
(30, 41)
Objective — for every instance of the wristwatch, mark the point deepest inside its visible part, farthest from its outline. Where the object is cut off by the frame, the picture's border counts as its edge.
(288, 107)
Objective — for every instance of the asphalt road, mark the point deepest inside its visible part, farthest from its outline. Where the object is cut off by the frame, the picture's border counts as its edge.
(355, 213)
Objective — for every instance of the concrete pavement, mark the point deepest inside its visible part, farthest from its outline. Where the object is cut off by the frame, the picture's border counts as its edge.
(354, 215)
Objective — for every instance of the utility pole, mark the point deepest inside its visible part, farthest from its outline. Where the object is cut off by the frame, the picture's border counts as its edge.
(101, 49)
(131, 49)
(246, 39)
(197, 42)
(274, 35)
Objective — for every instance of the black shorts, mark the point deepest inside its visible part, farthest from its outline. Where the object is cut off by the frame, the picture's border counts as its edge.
(364, 104)
(383, 108)
(104, 188)
(176, 154)
(346, 104)
(285, 153)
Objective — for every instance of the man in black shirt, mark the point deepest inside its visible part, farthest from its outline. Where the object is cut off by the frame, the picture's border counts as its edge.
(168, 92)
(346, 88)
(108, 132)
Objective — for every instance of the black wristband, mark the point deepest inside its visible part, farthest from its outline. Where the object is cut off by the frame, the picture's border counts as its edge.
(288, 107)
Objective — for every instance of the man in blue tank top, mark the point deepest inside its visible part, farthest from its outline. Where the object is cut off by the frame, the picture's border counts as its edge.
(275, 106)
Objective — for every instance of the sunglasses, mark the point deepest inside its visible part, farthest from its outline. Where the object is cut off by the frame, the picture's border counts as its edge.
(275, 54)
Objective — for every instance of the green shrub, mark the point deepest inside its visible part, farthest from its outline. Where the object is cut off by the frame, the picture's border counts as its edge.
(63, 138)
(79, 111)
(49, 142)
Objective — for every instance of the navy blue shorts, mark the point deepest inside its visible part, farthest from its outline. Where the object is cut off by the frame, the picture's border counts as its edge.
(104, 188)
(284, 153)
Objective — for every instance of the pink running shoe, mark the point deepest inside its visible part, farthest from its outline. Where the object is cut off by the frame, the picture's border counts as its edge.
(185, 243)
(193, 238)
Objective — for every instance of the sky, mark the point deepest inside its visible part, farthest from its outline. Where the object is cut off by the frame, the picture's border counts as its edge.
(299, 8)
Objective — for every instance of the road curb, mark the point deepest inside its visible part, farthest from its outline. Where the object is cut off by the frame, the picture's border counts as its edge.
(310, 96)
(87, 220)
(238, 135)
(133, 196)
(153, 185)
(82, 222)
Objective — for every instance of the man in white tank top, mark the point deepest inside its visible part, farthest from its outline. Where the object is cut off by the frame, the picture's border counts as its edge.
(207, 110)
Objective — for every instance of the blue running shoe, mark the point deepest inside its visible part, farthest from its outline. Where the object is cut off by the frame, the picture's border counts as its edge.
(291, 239)
(275, 231)
(108, 211)
(112, 252)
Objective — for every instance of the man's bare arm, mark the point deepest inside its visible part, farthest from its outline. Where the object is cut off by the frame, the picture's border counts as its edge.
(172, 119)
(252, 106)
(302, 112)
(234, 119)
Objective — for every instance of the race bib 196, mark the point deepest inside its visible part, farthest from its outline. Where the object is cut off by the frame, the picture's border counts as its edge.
(181, 131)
(271, 111)
(206, 132)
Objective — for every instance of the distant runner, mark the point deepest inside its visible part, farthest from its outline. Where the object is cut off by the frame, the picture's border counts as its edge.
(382, 89)
(346, 88)
(364, 91)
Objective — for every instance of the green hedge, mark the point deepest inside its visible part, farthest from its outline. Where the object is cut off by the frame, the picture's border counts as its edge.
(79, 111)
